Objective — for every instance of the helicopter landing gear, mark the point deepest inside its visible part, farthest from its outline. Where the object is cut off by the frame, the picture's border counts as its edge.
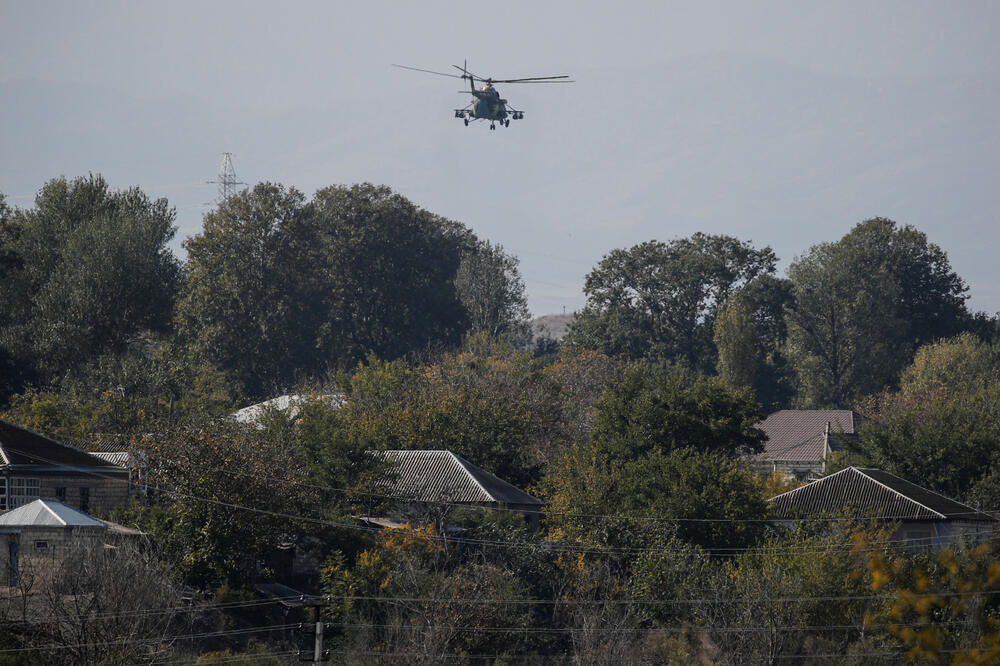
(493, 126)
(506, 123)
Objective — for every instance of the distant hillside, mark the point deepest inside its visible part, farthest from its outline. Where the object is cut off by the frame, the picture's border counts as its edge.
(553, 325)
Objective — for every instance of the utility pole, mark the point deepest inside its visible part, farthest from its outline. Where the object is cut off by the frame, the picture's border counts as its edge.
(227, 179)
(318, 650)
(319, 655)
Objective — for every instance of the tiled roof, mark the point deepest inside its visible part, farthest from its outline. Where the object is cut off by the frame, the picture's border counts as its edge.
(20, 446)
(444, 476)
(875, 493)
(800, 434)
(48, 513)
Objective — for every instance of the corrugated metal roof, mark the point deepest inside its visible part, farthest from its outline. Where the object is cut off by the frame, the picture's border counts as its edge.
(800, 434)
(120, 458)
(445, 476)
(876, 493)
(48, 513)
(20, 446)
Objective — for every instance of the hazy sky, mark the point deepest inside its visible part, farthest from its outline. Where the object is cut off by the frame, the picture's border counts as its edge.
(784, 123)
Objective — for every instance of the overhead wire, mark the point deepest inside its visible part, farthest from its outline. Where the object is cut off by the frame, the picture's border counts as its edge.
(550, 546)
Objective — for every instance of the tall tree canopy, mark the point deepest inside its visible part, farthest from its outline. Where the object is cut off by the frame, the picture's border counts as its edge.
(659, 300)
(279, 288)
(862, 307)
(82, 273)
(491, 290)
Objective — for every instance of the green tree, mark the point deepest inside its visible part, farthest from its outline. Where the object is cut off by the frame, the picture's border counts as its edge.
(490, 287)
(279, 289)
(667, 408)
(663, 446)
(122, 396)
(862, 307)
(955, 365)
(940, 429)
(659, 300)
(87, 270)
(736, 338)
(389, 271)
(249, 297)
(229, 494)
(499, 412)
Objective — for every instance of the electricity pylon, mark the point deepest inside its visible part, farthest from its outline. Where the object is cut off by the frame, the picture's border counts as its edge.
(227, 179)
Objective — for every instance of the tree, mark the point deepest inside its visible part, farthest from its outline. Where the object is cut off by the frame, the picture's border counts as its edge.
(664, 446)
(112, 603)
(770, 600)
(490, 287)
(497, 411)
(664, 408)
(943, 607)
(279, 290)
(84, 272)
(750, 335)
(118, 397)
(248, 303)
(951, 366)
(862, 307)
(231, 494)
(659, 300)
(735, 338)
(389, 268)
(940, 429)
(837, 328)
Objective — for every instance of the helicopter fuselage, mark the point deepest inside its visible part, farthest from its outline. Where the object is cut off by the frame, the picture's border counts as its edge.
(489, 105)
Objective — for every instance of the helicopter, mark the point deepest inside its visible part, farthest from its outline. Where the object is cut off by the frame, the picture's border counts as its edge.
(487, 103)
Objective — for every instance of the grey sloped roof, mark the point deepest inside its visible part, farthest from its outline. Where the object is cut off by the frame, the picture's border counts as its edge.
(290, 404)
(800, 434)
(20, 446)
(120, 458)
(875, 493)
(48, 513)
(445, 476)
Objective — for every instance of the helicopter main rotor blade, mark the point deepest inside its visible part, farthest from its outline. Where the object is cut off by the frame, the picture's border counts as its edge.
(536, 79)
(428, 71)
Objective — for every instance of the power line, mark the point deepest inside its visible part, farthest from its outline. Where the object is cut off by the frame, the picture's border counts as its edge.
(550, 546)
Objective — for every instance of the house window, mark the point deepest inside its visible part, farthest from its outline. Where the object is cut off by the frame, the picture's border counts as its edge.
(61, 493)
(23, 491)
(85, 499)
(3, 494)
(41, 545)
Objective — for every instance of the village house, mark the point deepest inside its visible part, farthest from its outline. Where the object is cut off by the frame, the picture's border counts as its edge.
(33, 466)
(424, 487)
(799, 441)
(40, 533)
(428, 481)
(926, 519)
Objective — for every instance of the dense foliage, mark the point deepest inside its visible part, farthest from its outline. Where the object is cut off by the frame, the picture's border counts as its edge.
(398, 329)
